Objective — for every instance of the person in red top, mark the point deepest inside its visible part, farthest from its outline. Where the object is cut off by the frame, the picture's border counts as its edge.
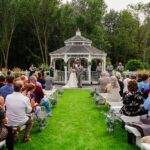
(39, 96)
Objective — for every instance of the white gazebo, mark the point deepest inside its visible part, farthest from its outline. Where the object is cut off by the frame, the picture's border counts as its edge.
(78, 47)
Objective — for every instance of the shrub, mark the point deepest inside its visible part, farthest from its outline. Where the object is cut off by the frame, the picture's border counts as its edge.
(134, 65)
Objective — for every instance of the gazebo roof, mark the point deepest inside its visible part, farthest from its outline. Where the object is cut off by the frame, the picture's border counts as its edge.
(78, 49)
(78, 38)
(78, 45)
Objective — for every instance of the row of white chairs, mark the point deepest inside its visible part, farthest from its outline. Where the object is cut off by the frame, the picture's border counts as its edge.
(50, 93)
(115, 107)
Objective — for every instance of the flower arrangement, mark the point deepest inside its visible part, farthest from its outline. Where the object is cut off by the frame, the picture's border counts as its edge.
(60, 92)
(16, 69)
(92, 92)
(110, 121)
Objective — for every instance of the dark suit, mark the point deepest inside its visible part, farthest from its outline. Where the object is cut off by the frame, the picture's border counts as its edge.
(79, 73)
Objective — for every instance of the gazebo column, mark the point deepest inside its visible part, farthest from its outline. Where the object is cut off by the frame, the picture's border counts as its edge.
(89, 68)
(65, 68)
(52, 62)
(54, 69)
(104, 63)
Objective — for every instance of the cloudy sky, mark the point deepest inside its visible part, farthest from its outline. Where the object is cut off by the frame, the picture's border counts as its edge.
(119, 4)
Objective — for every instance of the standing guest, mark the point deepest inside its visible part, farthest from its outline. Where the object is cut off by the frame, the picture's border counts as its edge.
(42, 70)
(17, 109)
(118, 76)
(48, 82)
(99, 70)
(8, 88)
(144, 84)
(125, 82)
(120, 68)
(41, 80)
(109, 68)
(31, 69)
(132, 100)
(52, 71)
(2, 81)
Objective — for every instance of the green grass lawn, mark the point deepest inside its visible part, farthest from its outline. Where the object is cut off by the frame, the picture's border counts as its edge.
(77, 124)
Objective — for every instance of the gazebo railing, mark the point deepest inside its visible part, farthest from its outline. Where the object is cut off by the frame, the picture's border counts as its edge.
(94, 76)
(60, 75)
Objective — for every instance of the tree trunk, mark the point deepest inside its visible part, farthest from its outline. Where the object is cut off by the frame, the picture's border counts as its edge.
(39, 40)
(46, 47)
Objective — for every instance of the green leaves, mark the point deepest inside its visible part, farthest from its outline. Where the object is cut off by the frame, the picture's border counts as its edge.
(134, 65)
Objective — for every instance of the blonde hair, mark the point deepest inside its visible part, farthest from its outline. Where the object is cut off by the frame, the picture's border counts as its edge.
(1, 101)
(118, 75)
(30, 87)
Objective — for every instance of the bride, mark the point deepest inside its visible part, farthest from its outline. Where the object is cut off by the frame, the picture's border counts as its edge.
(72, 82)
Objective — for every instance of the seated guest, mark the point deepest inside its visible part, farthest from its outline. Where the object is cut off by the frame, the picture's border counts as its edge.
(2, 81)
(132, 100)
(144, 84)
(125, 82)
(5, 132)
(17, 109)
(113, 90)
(3, 120)
(139, 77)
(146, 139)
(103, 82)
(41, 80)
(37, 82)
(8, 88)
(118, 76)
(147, 103)
(29, 92)
(24, 79)
(39, 96)
(48, 82)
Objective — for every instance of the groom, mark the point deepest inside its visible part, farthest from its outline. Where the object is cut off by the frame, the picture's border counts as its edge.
(79, 72)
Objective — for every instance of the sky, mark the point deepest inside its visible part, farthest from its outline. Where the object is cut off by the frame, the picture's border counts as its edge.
(119, 4)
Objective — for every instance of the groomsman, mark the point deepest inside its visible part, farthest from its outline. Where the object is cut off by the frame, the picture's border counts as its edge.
(109, 68)
(79, 73)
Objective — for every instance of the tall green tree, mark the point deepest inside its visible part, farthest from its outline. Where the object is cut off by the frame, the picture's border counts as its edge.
(9, 12)
(110, 25)
(42, 12)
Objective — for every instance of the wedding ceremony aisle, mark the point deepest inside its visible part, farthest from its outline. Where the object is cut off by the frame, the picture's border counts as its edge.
(77, 124)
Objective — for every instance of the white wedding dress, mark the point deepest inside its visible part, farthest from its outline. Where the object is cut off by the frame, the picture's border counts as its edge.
(72, 82)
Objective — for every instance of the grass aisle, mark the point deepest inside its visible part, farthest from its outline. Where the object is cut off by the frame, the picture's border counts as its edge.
(77, 125)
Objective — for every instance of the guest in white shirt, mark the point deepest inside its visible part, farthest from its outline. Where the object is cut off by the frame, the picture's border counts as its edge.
(17, 109)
